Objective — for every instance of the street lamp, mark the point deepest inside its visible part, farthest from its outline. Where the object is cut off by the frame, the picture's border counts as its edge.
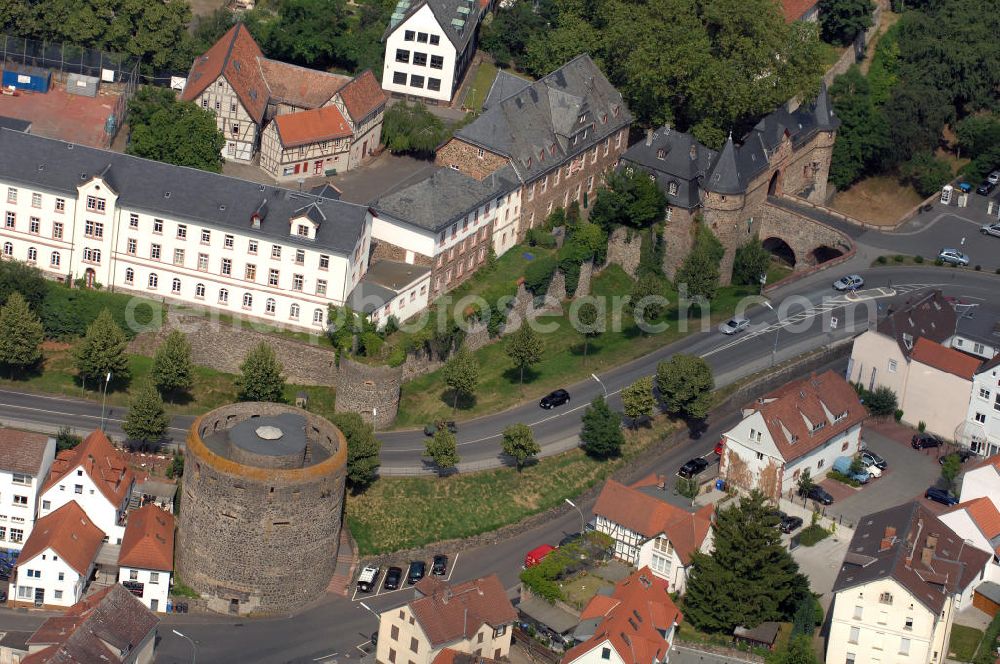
(194, 647)
(583, 521)
(594, 376)
(104, 401)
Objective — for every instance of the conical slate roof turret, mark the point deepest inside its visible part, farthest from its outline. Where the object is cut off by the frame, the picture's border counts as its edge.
(724, 177)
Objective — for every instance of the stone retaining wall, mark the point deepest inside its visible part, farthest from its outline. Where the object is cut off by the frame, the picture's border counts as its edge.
(624, 248)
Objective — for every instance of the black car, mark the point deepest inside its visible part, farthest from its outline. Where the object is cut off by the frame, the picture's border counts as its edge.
(392, 578)
(985, 188)
(820, 495)
(431, 429)
(922, 441)
(869, 458)
(963, 456)
(693, 467)
(940, 496)
(553, 399)
(418, 569)
(790, 523)
(439, 566)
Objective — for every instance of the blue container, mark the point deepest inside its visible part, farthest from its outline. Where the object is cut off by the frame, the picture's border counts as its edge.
(170, 606)
(27, 78)
(720, 485)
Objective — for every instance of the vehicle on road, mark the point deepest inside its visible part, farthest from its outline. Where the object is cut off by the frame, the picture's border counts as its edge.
(991, 229)
(922, 441)
(953, 256)
(963, 456)
(553, 399)
(393, 576)
(843, 466)
(985, 188)
(820, 495)
(439, 566)
(850, 282)
(734, 325)
(790, 523)
(431, 429)
(417, 571)
(692, 467)
(993, 177)
(369, 578)
(537, 554)
(940, 496)
(870, 458)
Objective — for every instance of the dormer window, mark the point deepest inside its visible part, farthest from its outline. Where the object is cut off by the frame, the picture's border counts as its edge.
(672, 189)
(302, 230)
(908, 341)
(661, 154)
(582, 118)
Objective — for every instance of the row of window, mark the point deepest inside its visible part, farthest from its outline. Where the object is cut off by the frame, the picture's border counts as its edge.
(421, 37)
(16, 535)
(35, 226)
(879, 643)
(154, 577)
(416, 81)
(566, 171)
(419, 59)
(460, 268)
(472, 219)
(54, 258)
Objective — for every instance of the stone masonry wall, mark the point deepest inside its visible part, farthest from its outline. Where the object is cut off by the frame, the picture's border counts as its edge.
(370, 391)
(465, 156)
(583, 283)
(802, 234)
(624, 249)
(678, 238)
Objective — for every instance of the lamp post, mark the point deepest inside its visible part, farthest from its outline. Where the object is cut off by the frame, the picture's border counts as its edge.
(194, 646)
(104, 400)
(583, 521)
(594, 376)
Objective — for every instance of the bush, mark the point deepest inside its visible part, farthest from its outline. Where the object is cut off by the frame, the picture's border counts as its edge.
(898, 414)
(921, 426)
(67, 313)
(898, 258)
(881, 402)
(396, 357)
(538, 275)
(978, 268)
(813, 534)
(538, 237)
(918, 259)
(881, 260)
(844, 479)
(939, 263)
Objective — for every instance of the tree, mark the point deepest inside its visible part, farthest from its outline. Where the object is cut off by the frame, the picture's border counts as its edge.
(926, 172)
(146, 422)
(524, 348)
(842, 21)
(881, 402)
(798, 651)
(442, 448)
(863, 137)
(602, 430)
(309, 33)
(648, 300)
(588, 315)
(260, 376)
(916, 113)
(102, 351)
(629, 199)
(18, 277)
(362, 449)
(519, 443)
(805, 483)
(66, 439)
(950, 467)
(172, 367)
(21, 335)
(638, 400)
(175, 132)
(749, 577)
(412, 129)
(977, 134)
(176, 467)
(461, 375)
(700, 270)
(685, 385)
(750, 262)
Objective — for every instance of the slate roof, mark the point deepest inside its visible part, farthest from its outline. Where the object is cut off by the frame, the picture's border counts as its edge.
(105, 627)
(443, 197)
(673, 157)
(449, 612)
(945, 359)
(22, 451)
(178, 192)
(149, 540)
(912, 546)
(445, 11)
(930, 316)
(105, 465)
(979, 323)
(363, 95)
(504, 85)
(649, 517)
(314, 126)
(383, 281)
(534, 128)
(69, 532)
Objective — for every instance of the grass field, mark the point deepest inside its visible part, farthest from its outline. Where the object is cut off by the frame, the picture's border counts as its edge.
(878, 200)
(963, 643)
(480, 86)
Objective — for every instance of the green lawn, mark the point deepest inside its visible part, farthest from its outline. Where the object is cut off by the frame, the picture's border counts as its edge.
(580, 589)
(964, 641)
(813, 534)
(480, 87)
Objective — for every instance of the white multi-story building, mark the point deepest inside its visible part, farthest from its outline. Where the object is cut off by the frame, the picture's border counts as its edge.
(804, 425)
(57, 560)
(25, 460)
(146, 559)
(982, 481)
(977, 522)
(179, 234)
(95, 476)
(980, 430)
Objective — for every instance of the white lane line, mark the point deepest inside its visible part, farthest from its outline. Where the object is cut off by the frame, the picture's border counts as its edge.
(325, 657)
(451, 570)
(73, 415)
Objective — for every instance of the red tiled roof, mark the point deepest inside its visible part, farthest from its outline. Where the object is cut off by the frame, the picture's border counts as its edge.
(22, 451)
(236, 56)
(650, 516)
(299, 86)
(945, 359)
(315, 126)
(105, 465)
(449, 612)
(796, 9)
(634, 624)
(149, 540)
(984, 514)
(449, 656)
(363, 95)
(792, 412)
(68, 532)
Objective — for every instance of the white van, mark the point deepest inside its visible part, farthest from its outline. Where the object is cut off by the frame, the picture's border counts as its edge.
(368, 579)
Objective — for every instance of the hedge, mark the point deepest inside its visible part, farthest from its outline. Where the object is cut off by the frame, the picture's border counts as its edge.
(67, 312)
(538, 275)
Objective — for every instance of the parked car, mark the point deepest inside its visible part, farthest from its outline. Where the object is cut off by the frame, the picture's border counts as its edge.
(693, 467)
(720, 447)
(874, 471)
(850, 282)
(734, 325)
(963, 456)
(431, 429)
(843, 466)
(439, 566)
(537, 555)
(991, 229)
(940, 496)
(953, 256)
(790, 523)
(993, 177)
(922, 441)
(368, 580)
(870, 458)
(820, 495)
(417, 571)
(393, 576)
(553, 399)
(985, 188)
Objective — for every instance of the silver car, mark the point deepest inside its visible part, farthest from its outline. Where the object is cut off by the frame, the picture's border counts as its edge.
(991, 229)
(953, 256)
(850, 282)
(994, 177)
(734, 325)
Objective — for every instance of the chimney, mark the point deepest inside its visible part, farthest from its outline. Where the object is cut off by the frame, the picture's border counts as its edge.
(932, 541)
(926, 554)
(693, 151)
(649, 137)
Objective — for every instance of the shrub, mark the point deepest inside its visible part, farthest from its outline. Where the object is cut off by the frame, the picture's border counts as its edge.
(921, 426)
(881, 260)
(538, 275)
(840, 477)
(938, 262)
(813, 534)
(538, 237)
(898, 258)
(396, 357)
(918, 259)
(66, 313)
(898, 414)
(978, 268)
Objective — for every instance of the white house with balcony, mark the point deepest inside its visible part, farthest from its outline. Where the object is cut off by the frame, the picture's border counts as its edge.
(980, 431)
(25, 460)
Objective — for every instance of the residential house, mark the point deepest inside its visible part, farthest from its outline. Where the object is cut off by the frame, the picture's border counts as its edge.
(559, 134)
(938, 388)
(109, 626)
(246, 91)
(96, 477)
(803, 425)
(474, 617)
(982, 480)
(146, 558)
(635, 624)
(58, 559)
(904, 577)
(977, 330)
(25, 459)
(448, 221)
(651, 533)
(179, 234)
(392, 289)
(977, 522)
(428, 47)
(800, 10)
(980, 431)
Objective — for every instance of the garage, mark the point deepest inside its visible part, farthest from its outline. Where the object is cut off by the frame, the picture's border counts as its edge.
(986, 598)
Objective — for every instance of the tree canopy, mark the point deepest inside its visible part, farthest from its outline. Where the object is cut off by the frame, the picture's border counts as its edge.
(260, 376)
(21, 334)
(461, 375)
(146, 422)
(412, 129)
(628, 199)
(173, 370)
(841, 21)
(102, 351)
(700, 270)
(524, 348)
(173, 131)
(442, 448)
(602, 430)
(519, 443)
(362, 449)
(685, 385)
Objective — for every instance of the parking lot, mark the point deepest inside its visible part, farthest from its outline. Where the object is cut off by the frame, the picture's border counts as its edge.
(380, 590)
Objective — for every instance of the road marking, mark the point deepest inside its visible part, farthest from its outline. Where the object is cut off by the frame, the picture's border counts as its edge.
(325, 657)
(363, 646)
(73, 415)
(451, 570)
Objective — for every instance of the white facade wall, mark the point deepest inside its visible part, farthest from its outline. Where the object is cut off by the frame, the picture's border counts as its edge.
(397, 73)
(402, 639)
(668, 566)
(508, 220)
(409, 302)
(982, 482)
(62, 585)
(19, 501)
(52, 243)
(937, 398)
(627, 542)
(978, 348)
(79, 487)
(876, 361)
(155, 586)
(982, 420)
(417, 240)
(596, 655)
(821, 459)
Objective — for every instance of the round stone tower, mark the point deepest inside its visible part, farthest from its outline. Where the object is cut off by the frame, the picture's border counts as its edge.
(261, 507)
